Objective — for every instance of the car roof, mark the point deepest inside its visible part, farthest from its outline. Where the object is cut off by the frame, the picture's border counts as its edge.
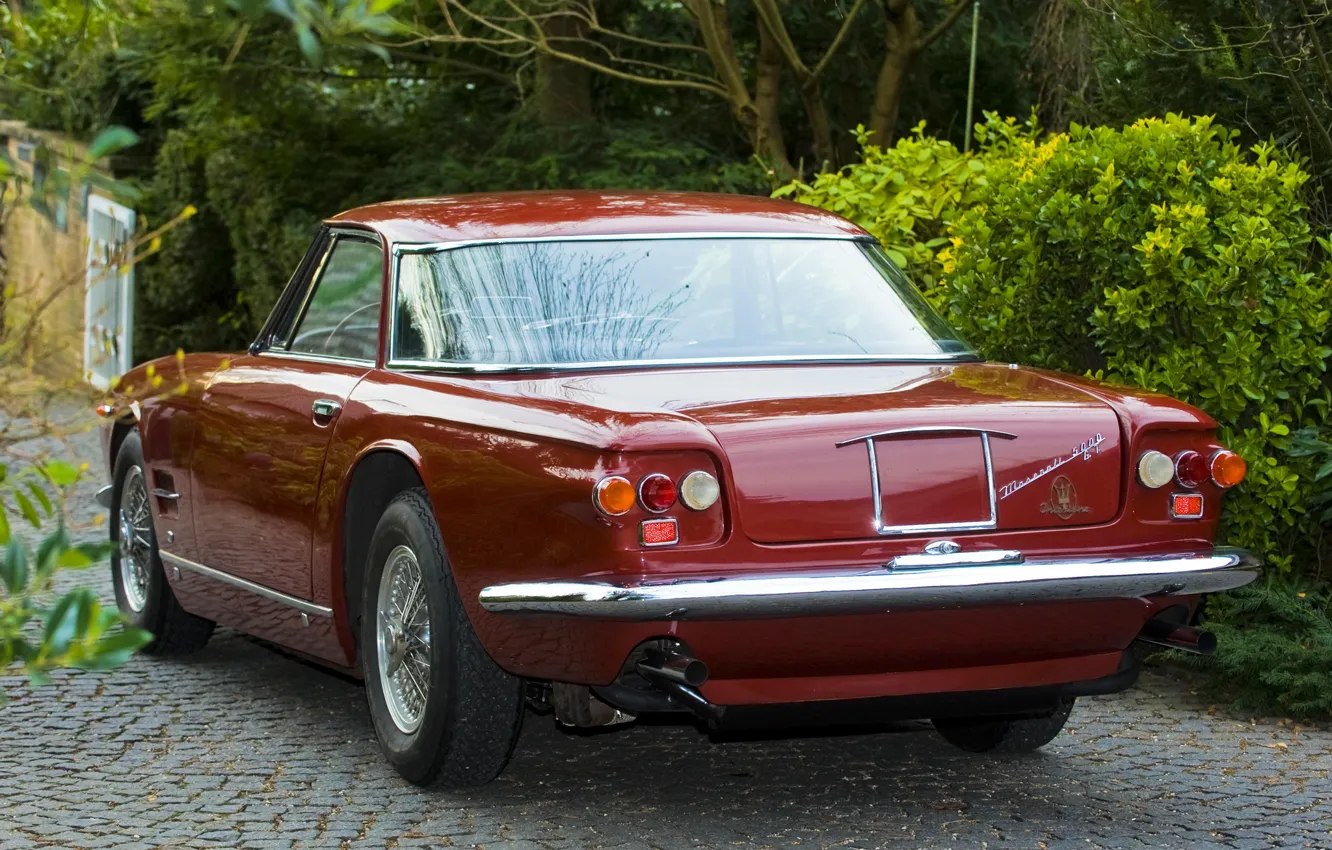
(524, 215)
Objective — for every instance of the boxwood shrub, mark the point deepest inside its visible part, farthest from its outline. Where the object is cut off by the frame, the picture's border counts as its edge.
(1161, 255)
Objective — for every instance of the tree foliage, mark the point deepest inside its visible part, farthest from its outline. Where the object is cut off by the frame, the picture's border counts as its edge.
(269, 121)
(1263, 67)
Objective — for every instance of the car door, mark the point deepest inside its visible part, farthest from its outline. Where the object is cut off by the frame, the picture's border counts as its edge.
(266, 421)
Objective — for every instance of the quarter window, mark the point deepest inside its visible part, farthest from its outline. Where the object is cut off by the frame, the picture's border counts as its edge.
(342, 318)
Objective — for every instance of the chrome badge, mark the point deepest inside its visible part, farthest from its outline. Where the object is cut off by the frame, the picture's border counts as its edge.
(1063, 499)
(1085, 450)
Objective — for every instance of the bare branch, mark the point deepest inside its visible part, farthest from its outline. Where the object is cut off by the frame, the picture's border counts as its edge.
(772, 19)
(535, 39)
(954, 13)
(837, 39)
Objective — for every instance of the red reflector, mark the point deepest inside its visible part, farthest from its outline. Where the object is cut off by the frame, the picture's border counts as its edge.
(658, 532)
(1186, 505)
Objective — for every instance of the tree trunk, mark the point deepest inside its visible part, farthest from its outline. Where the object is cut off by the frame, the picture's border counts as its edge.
(768, 141)
(900, 45)
(824, 148)
(765, 139)
(563, 89)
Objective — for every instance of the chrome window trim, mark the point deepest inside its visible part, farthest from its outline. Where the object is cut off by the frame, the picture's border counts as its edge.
(932, 528)
(682, 362)
(335, 234)
(316, 358)
(265, 335)
(302, 605)
(400, 249)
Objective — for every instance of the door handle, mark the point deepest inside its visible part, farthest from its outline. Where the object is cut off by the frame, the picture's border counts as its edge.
(325, 408)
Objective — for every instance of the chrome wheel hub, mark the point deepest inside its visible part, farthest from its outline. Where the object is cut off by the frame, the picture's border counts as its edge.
(135, 543)
(402, 638)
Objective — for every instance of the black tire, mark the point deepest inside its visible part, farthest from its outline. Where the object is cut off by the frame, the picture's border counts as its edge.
(1005, 734)
(175, 631)
(473, 709)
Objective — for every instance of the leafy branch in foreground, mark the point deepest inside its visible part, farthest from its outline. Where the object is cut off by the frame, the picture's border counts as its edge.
(41, 630)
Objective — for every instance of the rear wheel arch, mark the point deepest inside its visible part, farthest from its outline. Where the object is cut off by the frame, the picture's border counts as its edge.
(376, 479)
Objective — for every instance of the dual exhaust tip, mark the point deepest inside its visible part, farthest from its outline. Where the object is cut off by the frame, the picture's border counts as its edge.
(679, 675)
(658, 665)
(1178, 636)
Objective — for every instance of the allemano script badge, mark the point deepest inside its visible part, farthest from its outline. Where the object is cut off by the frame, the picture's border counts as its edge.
(1063, 499)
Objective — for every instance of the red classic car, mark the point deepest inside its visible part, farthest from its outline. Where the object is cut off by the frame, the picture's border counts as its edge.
(612, 453)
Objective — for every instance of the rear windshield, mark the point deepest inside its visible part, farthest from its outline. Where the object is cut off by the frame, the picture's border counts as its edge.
(524, 304)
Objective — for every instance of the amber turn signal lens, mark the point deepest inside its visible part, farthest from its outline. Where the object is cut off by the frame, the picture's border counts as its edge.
(656, 492)
(1228, 468)
(699, 490)
(1155, 469)
(614, 495)
(1186, 505)
(1191, 469)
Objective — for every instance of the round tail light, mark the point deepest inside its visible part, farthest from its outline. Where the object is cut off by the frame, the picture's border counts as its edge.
(656, 492)
(1191, 469)
(1155, 469)
(699, 490)
(1228, 468)
(614, 495)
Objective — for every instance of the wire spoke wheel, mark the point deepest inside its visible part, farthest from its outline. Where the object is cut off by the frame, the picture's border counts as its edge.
(135, 527)
(402, 639)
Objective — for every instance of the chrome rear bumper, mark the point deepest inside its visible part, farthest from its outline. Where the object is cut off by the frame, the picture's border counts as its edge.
(960, 585)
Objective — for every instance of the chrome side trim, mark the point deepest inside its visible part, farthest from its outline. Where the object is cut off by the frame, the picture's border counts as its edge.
(880, 590)
(399, 249)
(301, 605)
(163, 493)
(104, 496)
(940, 527)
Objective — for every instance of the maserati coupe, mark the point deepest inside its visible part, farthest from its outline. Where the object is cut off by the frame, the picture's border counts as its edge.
(608, 454)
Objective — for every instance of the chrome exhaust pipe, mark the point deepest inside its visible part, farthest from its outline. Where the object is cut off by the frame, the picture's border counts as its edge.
(1178, 636)
(673, 667)
(678, 675)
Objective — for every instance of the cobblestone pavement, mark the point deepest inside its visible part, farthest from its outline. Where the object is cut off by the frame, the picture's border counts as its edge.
(242, 746)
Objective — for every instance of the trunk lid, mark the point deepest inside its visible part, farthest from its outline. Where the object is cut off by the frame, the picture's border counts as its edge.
(794, 439)
(802, 462)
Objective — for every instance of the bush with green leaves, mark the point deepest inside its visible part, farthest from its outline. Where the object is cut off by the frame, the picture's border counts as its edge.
(1274, 650)
(905, 195)
(42, 630)
(1164, 256)
(1160, 255)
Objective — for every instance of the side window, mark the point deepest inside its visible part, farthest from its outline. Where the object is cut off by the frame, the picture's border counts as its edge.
(342, 318)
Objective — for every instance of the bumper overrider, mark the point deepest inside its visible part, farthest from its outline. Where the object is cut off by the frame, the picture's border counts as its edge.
(910, 582)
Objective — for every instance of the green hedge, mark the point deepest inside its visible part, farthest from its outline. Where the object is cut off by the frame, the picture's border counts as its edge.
(1160, 255)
